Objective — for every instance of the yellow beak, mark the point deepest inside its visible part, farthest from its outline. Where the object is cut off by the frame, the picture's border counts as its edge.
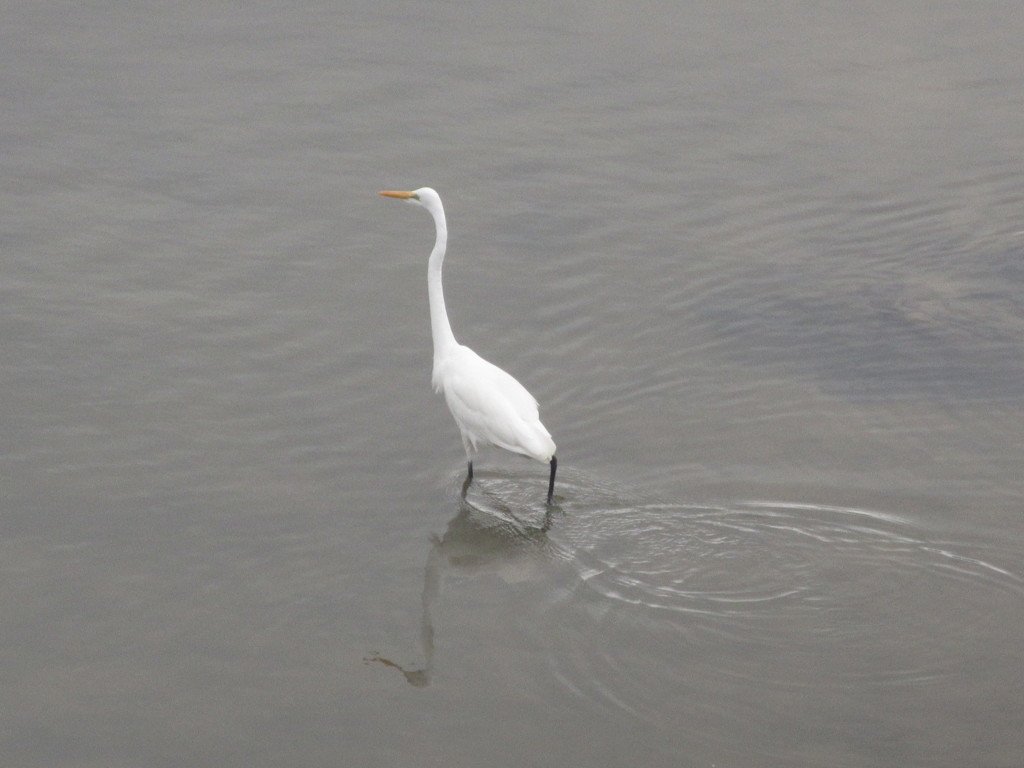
(400, 195)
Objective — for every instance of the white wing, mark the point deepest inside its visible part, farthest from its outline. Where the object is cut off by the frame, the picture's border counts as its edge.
(490, 406)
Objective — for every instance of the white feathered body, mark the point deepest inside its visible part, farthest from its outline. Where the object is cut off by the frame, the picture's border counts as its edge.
(490, 406)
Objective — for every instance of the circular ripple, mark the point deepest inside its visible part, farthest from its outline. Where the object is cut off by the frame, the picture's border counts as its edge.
(767, 597)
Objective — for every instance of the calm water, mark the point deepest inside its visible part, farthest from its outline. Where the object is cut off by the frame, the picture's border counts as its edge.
(763, 268)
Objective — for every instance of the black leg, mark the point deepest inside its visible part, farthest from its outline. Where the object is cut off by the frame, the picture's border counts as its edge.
(469, 471)
(551, 480)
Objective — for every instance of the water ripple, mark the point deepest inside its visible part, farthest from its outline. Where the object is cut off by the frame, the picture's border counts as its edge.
(768, 594)
(671, 608)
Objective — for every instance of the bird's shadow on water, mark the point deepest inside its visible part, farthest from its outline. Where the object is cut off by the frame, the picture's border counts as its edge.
(735, 578)
(499, 529)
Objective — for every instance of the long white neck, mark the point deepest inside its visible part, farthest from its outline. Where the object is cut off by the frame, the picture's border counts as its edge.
(440, 328)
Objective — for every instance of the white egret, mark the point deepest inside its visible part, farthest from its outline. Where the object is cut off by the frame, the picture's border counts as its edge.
(489, 406)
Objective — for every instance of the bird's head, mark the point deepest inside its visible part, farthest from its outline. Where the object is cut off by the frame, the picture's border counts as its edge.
(423, 196)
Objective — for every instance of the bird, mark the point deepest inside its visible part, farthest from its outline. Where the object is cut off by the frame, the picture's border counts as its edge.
(488, 404)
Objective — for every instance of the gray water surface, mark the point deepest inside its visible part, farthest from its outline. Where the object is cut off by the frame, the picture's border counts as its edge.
(763, 268)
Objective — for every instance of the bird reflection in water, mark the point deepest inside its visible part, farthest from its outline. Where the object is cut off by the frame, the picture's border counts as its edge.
(485, 537)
